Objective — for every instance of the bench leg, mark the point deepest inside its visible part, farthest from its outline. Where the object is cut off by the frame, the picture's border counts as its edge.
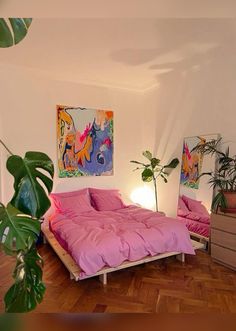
(103, 279)
(181, 257)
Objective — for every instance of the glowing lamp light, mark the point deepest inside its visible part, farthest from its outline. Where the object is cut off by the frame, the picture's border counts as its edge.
(144, 196)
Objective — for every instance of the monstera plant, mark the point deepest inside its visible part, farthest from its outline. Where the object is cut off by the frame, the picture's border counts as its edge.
(20, 227)
(13, 30)
(153, 169)
(20, 218)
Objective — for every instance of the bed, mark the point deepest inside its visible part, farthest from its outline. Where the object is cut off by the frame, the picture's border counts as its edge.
(92, 241)
(196, 218)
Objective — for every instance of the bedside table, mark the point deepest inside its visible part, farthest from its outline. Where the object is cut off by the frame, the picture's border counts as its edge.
(223, 239)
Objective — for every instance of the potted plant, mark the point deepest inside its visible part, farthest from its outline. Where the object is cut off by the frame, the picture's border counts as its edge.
(20, 227)
(152, 170)
(20, 218)
(223, 179)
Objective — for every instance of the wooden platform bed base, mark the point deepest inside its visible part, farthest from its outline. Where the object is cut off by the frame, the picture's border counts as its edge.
(75, 270)
(201, 239)
(199, 236)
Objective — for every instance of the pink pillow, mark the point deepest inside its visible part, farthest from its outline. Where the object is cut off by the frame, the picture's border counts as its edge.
(195, 206)
(182, 206)
(77, 201)
(182, 213)
(105, 200)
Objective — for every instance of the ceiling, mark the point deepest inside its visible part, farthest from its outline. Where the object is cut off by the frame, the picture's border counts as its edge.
(124, 53)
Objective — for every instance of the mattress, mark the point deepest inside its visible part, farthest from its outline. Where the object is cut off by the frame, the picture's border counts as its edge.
(197, 227)
(108, 238)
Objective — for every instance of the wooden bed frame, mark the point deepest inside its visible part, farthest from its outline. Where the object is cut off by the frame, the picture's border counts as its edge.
(75, 270)
(202, 239)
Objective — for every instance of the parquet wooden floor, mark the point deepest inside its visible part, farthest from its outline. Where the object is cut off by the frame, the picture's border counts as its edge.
(199, 285)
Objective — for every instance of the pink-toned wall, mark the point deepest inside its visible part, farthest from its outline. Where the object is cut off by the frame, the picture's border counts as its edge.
(197, 96)
(28, 114)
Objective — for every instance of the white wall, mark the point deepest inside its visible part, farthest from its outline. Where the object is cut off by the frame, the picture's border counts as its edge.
(196, 97)
(28, 114)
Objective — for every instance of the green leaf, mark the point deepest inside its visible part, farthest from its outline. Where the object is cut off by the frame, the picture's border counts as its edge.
(173, 164)
(28, 289)
(30, 196)
(16, 230)
(227, 152)
(147, 175)
(19, 30)
(211, 147)
(218, 201)
(148, 155)
(6, 39)
(204, 174)
(164, 178)
(137, 162)
(27, 21)
(154, 162)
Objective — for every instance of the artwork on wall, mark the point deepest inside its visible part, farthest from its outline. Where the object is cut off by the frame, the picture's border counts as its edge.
(193, 165)
(191, 162)
(84, 142)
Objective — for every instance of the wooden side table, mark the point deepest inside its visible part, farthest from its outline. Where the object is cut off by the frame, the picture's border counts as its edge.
(223, 239)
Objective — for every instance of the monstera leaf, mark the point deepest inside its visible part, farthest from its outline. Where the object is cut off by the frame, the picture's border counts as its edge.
(13, 30)
(28, 289)
(30, 196)
(16, 230)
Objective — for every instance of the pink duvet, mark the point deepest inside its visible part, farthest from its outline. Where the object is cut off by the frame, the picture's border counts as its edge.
(194, 216)
(97, 239)
(195, 222)
(195, 226)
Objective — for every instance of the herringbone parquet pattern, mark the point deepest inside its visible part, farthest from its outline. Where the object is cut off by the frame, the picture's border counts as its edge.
(199, 285)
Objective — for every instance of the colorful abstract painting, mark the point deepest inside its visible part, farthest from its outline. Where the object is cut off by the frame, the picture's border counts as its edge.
(191, 162)
(85, 142)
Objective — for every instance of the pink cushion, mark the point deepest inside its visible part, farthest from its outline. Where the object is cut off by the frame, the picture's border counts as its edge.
(77, 201)
(195, 206)
(104, 200)
(183, 213)
(182, 206)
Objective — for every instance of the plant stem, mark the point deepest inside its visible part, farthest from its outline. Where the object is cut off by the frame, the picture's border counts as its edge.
(8, 150)
(155, 186)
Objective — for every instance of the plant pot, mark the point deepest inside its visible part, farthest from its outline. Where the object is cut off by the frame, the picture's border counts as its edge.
(230, 198)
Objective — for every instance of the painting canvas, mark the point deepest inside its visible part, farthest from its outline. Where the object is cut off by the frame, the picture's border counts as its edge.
(191, 162)
(85, 142)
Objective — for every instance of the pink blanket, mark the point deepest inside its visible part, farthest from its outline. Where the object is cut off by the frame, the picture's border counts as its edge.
(195, 226)
(98, 239)
(195, 222)
(194, 216)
